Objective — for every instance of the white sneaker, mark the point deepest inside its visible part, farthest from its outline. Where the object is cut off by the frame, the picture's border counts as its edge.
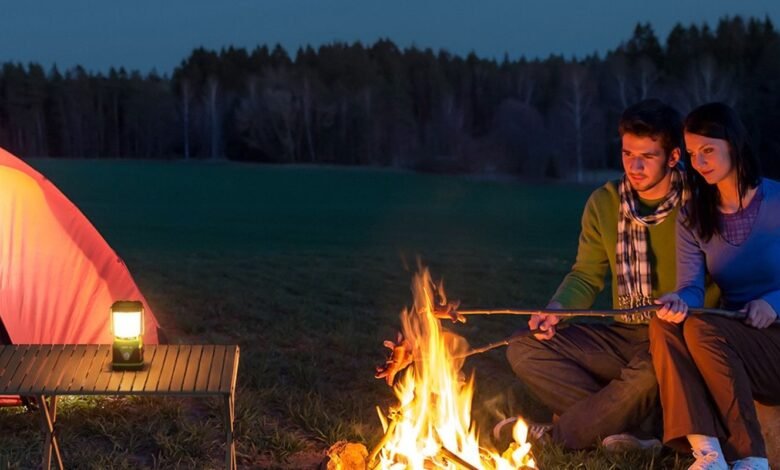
(751, 463)
(708, 461)
(627, 442)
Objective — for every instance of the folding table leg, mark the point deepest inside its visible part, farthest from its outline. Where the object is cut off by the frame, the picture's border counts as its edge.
(49, 416)
(230, 445)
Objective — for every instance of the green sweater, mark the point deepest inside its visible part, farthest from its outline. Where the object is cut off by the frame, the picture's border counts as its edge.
(598, 245)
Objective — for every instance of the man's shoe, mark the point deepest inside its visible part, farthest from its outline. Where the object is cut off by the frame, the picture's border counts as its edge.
(627, 442)
(537, 432)
(540, 433)
(708, 461)
(750, 463)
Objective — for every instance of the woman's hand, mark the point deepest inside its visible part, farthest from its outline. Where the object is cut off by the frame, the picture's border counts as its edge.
(674, 309)
(759, 314)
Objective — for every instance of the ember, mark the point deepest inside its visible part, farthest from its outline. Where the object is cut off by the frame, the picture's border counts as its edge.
(431, 426)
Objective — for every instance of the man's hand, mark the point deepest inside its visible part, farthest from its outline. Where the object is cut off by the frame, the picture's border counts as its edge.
(674, 309)
(759, 314)
(545, 323)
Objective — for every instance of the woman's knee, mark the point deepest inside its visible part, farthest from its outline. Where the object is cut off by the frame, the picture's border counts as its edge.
(699, 329)
(662, 334)
(705, 337)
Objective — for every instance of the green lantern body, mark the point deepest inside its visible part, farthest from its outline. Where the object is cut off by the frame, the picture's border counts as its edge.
(127, 327)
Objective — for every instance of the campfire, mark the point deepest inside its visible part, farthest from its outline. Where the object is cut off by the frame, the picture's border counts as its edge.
(431, 425)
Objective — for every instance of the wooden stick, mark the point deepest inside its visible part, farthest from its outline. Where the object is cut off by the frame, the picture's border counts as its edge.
(446, 453)
(377, 448)
(590, 313)
(456, 459)
(504, 342)
(572, 313)
(456, 314)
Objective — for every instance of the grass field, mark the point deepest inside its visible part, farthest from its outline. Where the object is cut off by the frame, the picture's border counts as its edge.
(307, 270)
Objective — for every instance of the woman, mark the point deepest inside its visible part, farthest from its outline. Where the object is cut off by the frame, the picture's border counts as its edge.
(710, 368)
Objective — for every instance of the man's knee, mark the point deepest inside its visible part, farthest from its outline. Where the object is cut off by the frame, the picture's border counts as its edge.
(641, 376)
(524, 355)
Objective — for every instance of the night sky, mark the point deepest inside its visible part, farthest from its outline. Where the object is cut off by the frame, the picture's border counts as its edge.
(146, 34)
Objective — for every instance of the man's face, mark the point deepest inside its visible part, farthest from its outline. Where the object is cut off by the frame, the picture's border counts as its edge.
(647, 165)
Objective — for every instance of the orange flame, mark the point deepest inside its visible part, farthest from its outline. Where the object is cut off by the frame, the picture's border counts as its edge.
(432, 422)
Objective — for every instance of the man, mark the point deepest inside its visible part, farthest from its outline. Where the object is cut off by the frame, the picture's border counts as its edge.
(598, 378)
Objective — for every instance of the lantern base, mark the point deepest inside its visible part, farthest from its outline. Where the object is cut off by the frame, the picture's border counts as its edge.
(127, 354)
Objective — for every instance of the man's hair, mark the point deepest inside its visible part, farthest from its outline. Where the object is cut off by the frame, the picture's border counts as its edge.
(655, 119)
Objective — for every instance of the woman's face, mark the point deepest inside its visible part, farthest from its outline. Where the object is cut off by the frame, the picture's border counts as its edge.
(710, 157)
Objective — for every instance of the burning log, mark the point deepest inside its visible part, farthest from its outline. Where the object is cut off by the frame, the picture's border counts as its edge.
(392, 418)
(345, 455)
(454, 458)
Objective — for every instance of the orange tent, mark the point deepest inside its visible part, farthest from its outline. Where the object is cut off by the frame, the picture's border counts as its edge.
(58, 276)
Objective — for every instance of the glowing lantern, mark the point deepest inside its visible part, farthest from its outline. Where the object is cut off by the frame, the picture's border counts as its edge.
(127, 325)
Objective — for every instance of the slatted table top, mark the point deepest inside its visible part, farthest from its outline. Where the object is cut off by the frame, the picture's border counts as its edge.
(70, 369)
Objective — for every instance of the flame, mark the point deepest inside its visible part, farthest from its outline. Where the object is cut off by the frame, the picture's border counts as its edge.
(431, 426)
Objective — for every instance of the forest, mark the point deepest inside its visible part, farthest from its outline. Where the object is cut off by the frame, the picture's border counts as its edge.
(385, 106)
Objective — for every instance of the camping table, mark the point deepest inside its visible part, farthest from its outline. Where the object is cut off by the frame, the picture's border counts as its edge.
(46, 371)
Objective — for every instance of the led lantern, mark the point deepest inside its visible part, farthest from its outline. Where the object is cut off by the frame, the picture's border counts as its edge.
(127, 325)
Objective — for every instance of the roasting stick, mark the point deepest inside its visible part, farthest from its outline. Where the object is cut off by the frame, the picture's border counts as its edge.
(504, 342)
(456, 315)
(570, 313)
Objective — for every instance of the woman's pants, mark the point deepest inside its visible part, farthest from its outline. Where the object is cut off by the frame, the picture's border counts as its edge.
(709, 371)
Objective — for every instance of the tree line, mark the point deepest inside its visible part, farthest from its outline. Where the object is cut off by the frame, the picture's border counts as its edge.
(356, 104)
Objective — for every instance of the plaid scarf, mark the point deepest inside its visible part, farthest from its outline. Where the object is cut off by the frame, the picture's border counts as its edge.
(634, 277)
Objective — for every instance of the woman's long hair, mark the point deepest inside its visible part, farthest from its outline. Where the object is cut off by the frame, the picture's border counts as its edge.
(718, 121)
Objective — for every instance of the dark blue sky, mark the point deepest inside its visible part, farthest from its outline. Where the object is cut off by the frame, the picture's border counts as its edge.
(146, 34)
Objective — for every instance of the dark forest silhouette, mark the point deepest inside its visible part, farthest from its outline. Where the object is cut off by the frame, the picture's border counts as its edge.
(379, 105)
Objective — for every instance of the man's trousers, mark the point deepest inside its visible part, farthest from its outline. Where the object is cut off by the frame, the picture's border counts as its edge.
(598, 378)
